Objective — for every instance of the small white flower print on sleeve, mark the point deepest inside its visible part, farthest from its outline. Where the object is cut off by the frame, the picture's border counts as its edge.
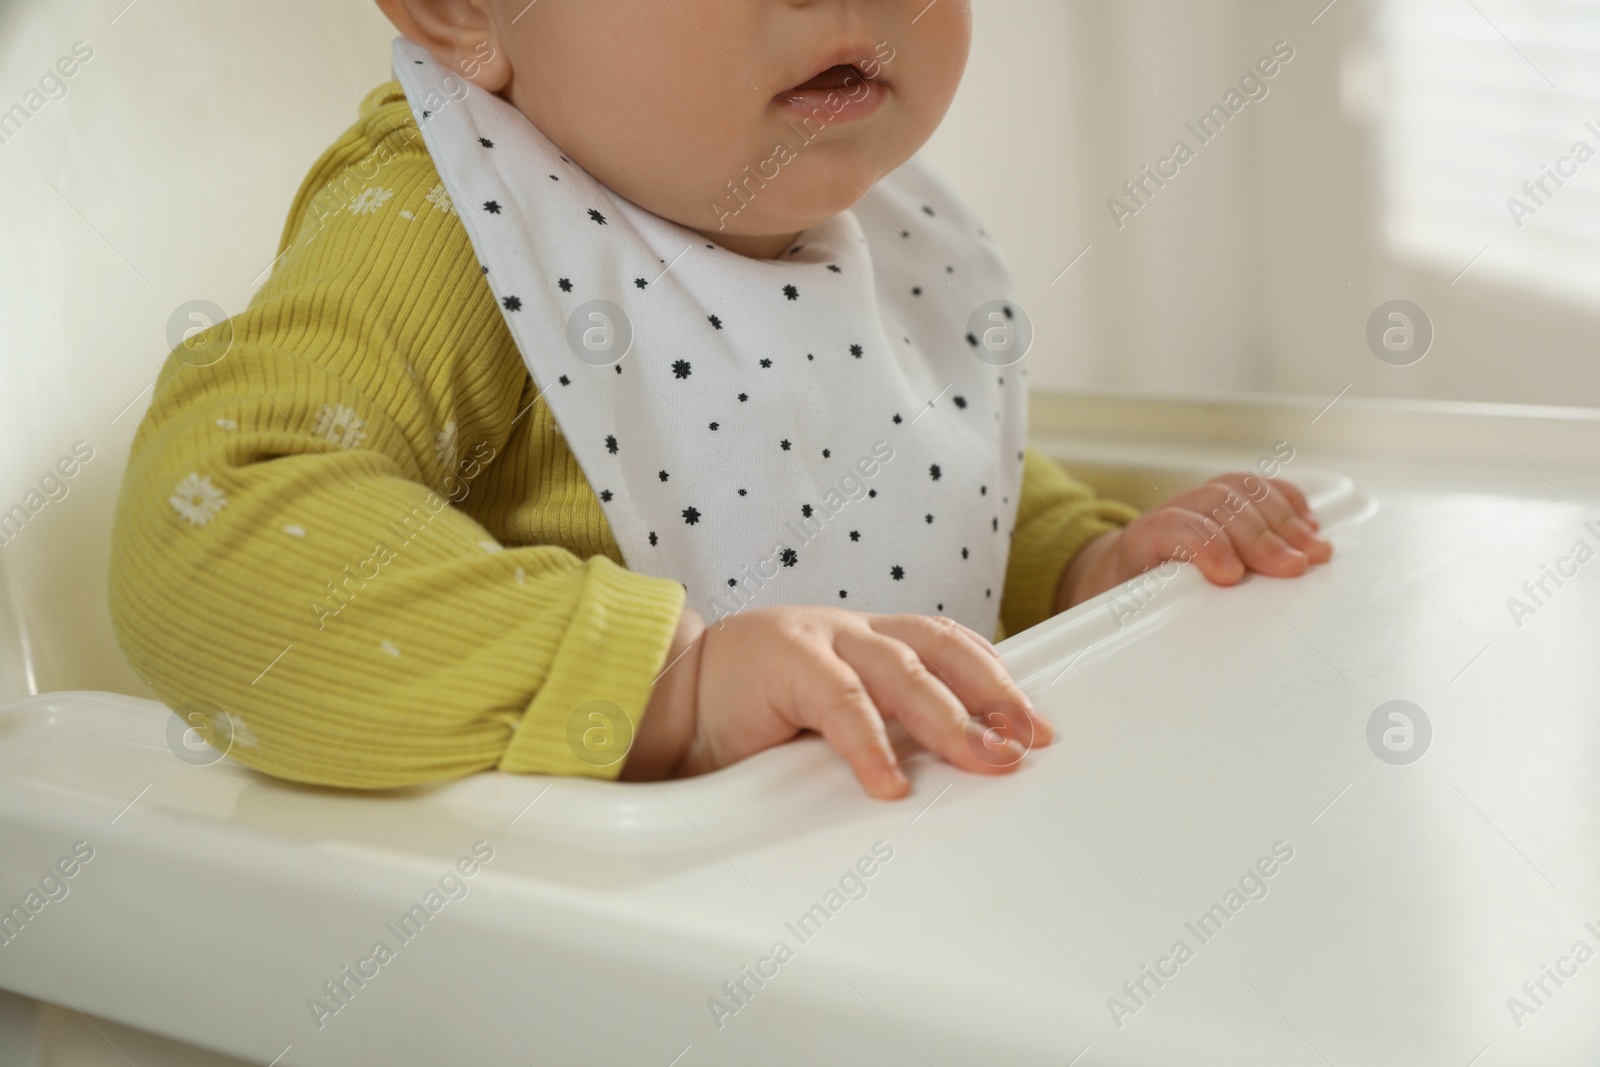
(444, 446)
(339, 424)
(197, 499)
(440, 199)
(241, 733)
(369, 200)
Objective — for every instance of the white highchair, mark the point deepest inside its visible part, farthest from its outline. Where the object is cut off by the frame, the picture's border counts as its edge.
(1348, 818)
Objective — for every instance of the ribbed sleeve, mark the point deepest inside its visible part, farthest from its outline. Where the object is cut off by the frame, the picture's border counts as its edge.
(1055, 517)
(359, 532)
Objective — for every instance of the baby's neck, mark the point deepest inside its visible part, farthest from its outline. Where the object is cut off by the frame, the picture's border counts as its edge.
(757, 246)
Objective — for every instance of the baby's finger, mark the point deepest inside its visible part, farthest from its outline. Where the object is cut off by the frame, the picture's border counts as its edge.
(973, 671)
(904, 689)
(1302, 529)
(1274, 506)
(1297, 500)
(840, 709)
(1248, 526)
(1177, 533)
(982, 641)
(1299, 533)
(1282, 515)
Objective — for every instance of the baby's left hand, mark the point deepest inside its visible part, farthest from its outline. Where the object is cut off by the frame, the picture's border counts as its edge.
(1235, 523)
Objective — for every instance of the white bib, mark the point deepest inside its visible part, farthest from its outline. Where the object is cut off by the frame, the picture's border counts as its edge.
(836, 426)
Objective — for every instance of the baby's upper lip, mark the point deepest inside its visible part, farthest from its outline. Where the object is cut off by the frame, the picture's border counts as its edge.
(850, 53)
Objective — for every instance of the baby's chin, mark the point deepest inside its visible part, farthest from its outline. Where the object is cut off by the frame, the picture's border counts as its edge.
(809, 191)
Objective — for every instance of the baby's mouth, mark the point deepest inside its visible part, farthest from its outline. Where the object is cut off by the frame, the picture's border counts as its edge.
(840, 76)
(838, 95)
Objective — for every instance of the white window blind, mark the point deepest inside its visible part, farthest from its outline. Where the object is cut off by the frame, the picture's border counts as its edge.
(1484, 96)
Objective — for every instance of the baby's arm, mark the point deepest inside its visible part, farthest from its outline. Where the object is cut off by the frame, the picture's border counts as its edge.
(430, 655)
(1056, 517)
(247, 569)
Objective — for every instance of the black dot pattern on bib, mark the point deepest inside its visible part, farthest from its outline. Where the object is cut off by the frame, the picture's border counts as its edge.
(819, 453)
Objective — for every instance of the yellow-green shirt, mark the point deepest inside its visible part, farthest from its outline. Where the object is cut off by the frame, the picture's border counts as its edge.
(360, 533)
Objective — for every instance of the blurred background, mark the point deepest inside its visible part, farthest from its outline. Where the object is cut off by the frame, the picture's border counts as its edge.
(1434, 151)
(1379, 166)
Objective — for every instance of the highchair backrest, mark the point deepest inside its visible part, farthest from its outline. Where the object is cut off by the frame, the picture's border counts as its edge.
(138, 199)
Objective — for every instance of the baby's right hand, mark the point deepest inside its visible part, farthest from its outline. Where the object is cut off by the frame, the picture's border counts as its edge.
(766, 674)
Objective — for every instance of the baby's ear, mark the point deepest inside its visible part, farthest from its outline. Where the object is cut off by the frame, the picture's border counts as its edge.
(460, 34)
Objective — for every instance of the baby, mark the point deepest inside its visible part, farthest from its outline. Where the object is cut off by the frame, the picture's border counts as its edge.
(598, 313)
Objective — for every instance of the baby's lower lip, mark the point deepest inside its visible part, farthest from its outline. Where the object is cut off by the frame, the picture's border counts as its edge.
(825, 107)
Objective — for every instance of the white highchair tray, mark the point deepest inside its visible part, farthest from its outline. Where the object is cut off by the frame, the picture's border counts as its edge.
(1216, 783)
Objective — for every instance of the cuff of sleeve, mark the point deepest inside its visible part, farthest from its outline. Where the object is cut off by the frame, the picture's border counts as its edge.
(1041, 552)
(611, 651)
